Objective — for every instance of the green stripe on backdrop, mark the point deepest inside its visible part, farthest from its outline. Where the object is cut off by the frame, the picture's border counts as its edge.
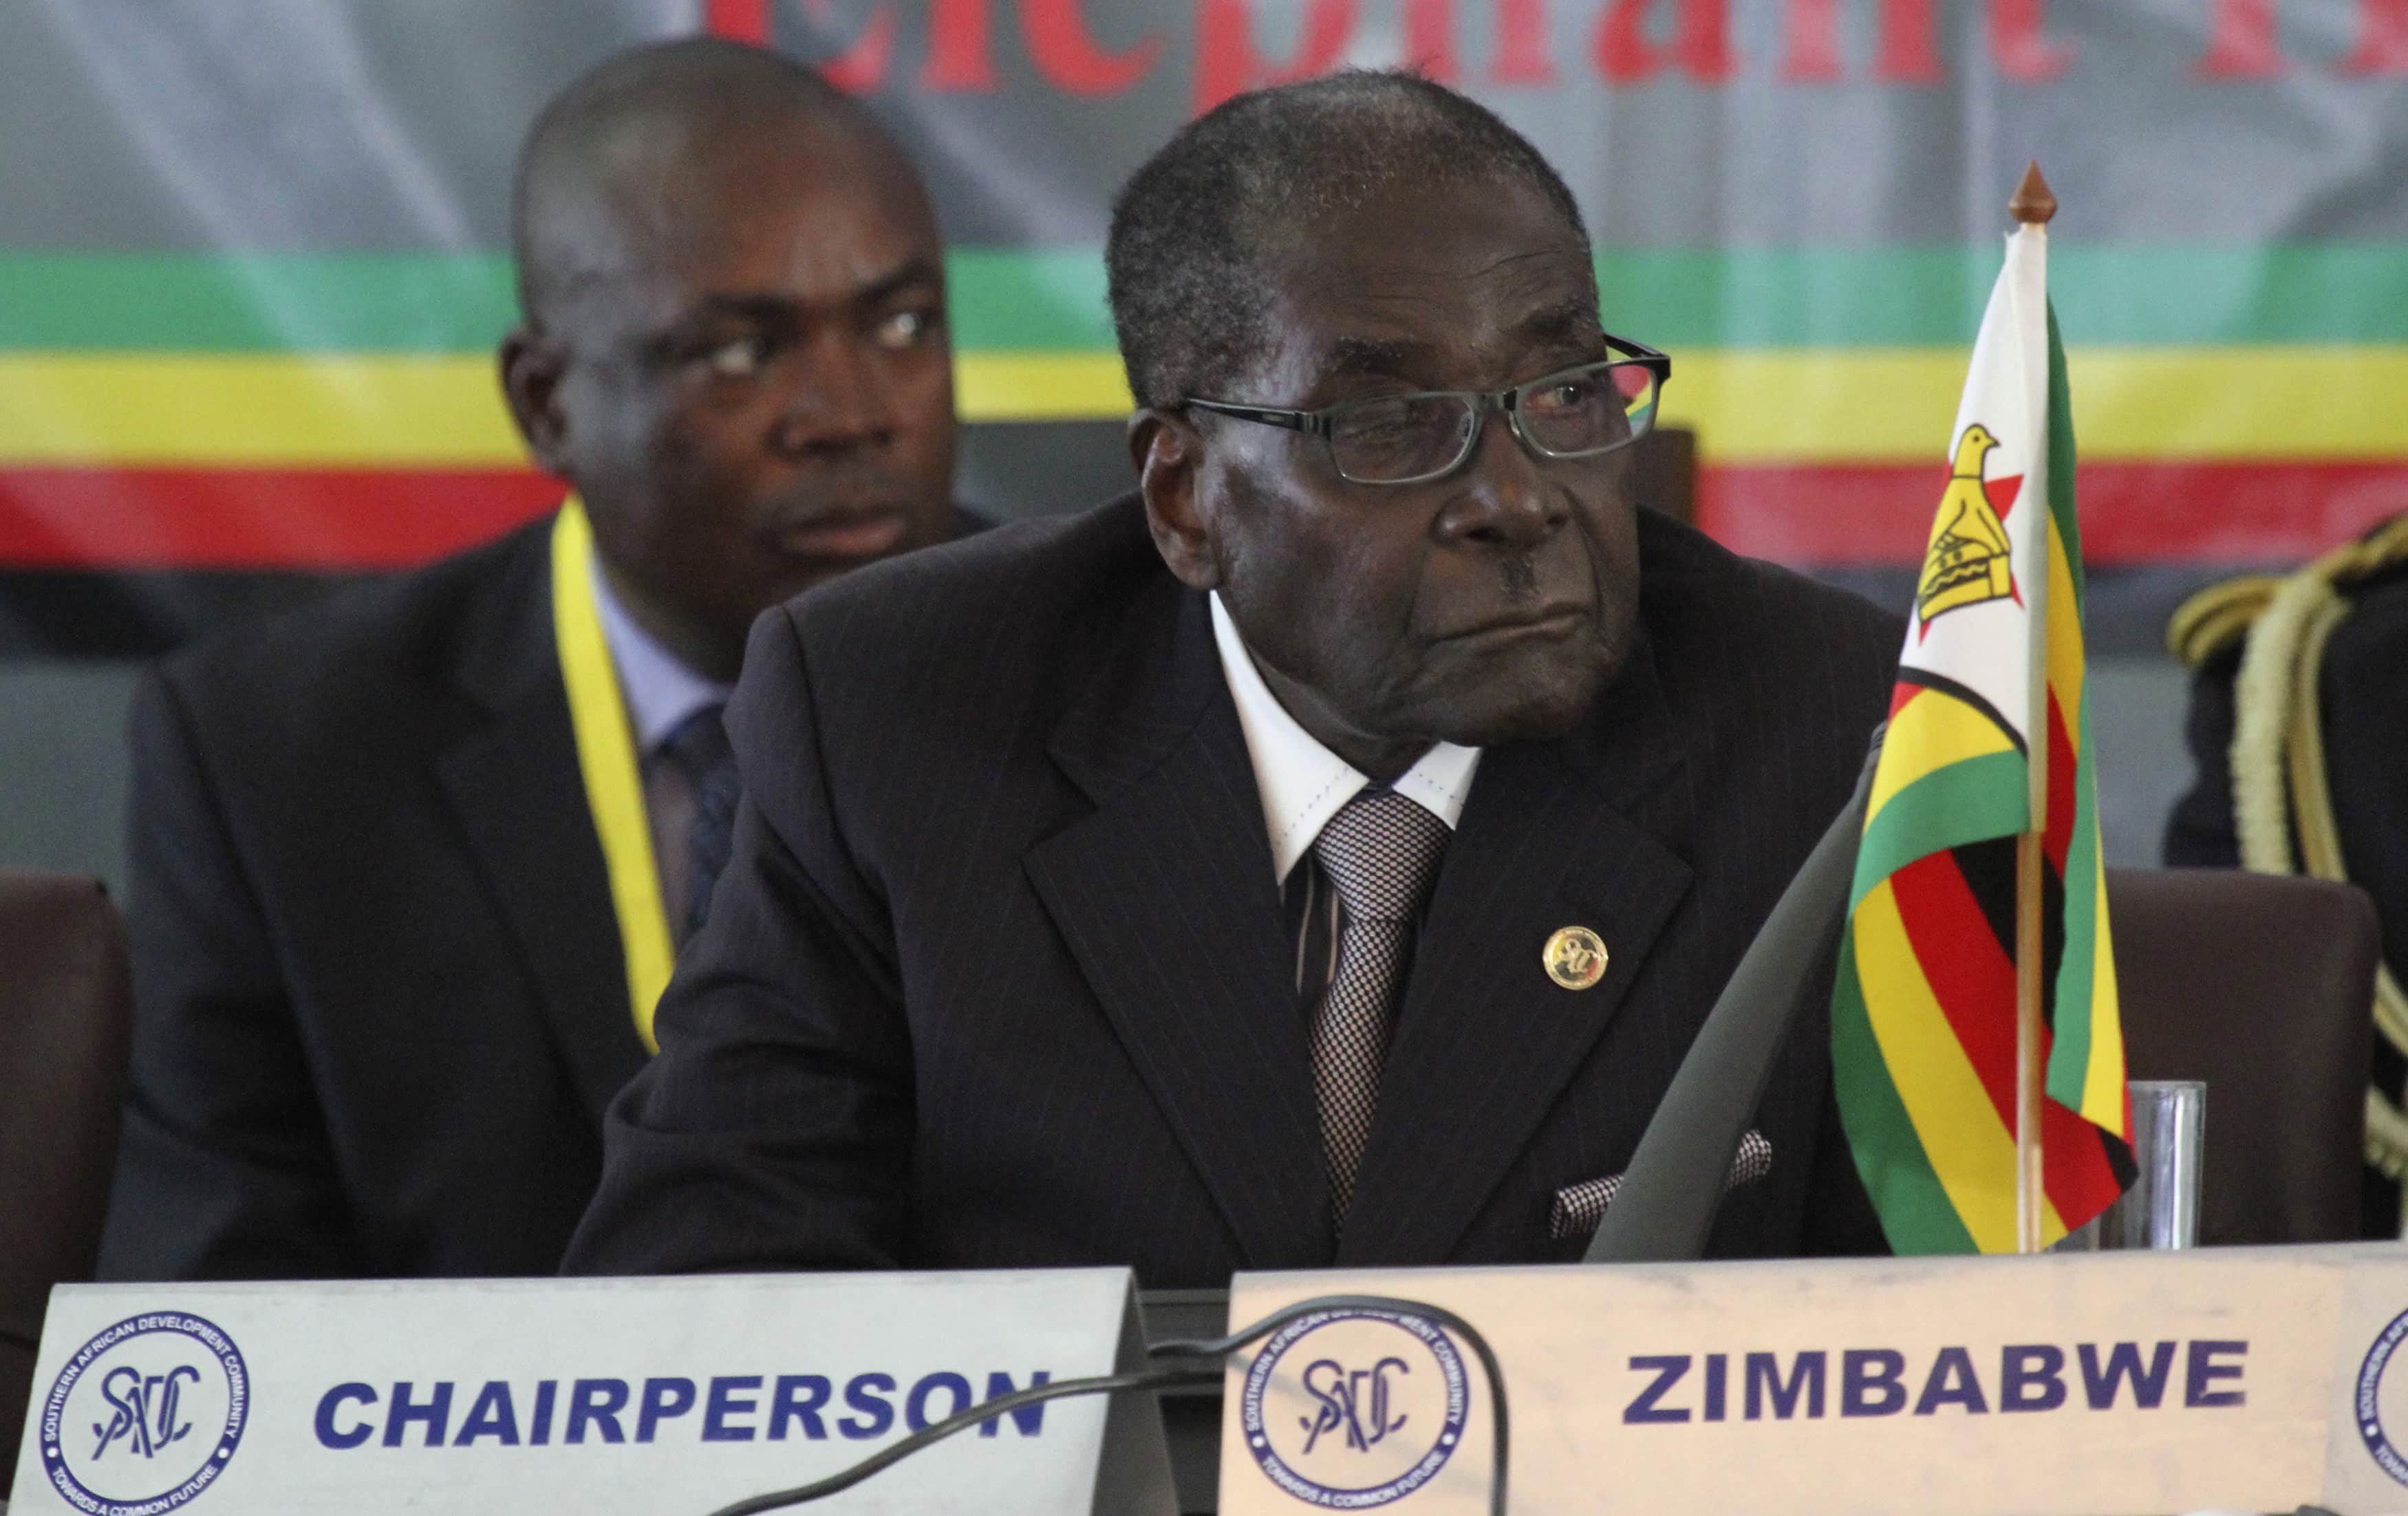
(2188, 295)
(370, 302)
(1052, 299)
(377, 302)
(1915, 1212)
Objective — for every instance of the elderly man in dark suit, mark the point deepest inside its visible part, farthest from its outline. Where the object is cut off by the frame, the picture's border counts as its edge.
(1329, 853)
(409, 868)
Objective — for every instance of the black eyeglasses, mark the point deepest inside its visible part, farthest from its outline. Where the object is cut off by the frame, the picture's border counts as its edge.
(1575, 413)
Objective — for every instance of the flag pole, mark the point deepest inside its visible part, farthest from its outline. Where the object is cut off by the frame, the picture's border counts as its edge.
(2031, 207)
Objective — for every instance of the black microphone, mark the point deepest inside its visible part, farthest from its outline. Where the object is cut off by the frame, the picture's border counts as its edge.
(1666, 1204)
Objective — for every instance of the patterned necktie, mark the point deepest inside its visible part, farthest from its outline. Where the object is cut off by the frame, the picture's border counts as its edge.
(700, 749)
(1382, 853)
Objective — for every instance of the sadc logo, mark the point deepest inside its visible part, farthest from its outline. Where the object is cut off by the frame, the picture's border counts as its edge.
(2381, 1401)
(145, 1416)
(1348, 1409)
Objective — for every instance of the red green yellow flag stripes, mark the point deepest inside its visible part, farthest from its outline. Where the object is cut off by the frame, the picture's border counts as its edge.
(1988, 739)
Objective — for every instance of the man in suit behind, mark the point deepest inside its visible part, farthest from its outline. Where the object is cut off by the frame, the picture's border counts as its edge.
(1333, 848)
(402, 865)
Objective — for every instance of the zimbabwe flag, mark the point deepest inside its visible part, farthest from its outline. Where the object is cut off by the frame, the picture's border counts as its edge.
(1988, 739)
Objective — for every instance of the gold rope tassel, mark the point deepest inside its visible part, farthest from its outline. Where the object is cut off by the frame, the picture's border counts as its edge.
(2279, 783)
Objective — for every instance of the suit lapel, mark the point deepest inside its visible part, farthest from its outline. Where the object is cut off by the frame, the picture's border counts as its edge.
(1486, 1041)
(1164, 896)
(512, 781)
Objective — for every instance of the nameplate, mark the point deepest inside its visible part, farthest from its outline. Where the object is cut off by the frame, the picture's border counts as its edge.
(603, 1395)
(2241, 1380)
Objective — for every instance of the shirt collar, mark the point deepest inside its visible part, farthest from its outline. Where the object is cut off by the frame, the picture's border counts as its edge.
(660, 690)
(1303, 784)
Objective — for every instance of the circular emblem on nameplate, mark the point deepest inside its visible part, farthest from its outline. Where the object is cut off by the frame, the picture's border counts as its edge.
(1348, 1409)
(2381, 1401)
(1575, 956)
(145, 1416)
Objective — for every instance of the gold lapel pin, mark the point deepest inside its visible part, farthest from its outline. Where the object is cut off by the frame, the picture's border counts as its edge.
(1575, 957)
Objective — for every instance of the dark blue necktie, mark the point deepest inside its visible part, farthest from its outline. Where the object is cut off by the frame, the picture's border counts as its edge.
(700, 749)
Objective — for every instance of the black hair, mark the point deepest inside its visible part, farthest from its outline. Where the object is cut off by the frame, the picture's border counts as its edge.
(1192, 228)
(697, 81)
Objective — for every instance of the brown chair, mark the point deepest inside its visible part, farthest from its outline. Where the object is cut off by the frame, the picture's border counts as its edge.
(66, 1012)
(2258, 985)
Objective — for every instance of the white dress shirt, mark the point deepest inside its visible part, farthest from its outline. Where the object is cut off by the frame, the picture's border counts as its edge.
(660, 691)
(661, 694)
(1303, 784)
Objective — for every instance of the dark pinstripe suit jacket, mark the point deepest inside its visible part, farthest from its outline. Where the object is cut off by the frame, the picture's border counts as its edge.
(378, 1005)
(998, 976)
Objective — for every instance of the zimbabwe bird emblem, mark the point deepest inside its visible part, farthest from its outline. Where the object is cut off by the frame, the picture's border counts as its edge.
(1968, 560)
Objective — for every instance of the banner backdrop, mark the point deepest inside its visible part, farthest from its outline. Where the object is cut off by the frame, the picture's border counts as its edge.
(251, 263)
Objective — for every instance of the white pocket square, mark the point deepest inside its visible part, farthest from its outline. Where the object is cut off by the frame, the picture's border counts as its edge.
(1579, 1207)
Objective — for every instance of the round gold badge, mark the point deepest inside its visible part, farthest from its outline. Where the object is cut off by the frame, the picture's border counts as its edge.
(1575, 957)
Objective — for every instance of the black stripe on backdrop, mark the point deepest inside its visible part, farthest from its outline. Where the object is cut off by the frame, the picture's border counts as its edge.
(69, 614)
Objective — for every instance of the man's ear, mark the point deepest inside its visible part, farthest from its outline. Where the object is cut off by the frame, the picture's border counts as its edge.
(532, 367)
(1169, 455)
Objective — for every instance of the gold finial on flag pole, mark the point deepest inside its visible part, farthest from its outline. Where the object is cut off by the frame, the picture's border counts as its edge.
(2032, 204)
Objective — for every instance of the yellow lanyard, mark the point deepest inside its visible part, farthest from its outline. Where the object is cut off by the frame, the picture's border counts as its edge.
(605, 759)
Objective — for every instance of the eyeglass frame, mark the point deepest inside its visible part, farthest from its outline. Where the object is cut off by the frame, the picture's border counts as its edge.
(1321, 423)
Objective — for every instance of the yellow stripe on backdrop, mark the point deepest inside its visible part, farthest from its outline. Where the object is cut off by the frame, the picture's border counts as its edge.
(1040, 387)
(241, 410)
(1962, 1133)
(1878, 406)
(1837, 406)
